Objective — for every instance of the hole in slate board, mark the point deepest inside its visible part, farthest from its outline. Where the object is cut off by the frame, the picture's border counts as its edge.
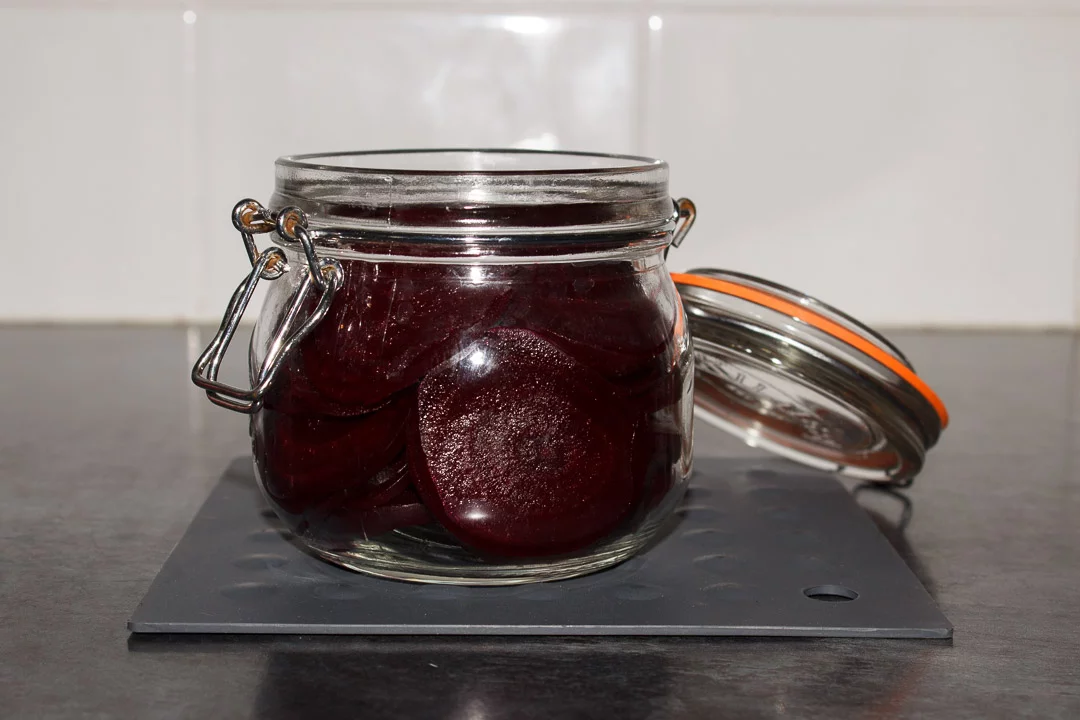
(830, 593)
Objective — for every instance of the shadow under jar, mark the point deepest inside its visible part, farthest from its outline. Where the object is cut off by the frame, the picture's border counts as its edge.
(471, 366)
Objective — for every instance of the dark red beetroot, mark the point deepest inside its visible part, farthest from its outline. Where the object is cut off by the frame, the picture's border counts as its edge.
(519, 450)
(392, 322)
(305, 459)
(606, 315)
(346, 518)
(291, 392)
(655, 452)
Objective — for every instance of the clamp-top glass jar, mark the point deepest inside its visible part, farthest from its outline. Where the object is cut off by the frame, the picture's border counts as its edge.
(471, 366)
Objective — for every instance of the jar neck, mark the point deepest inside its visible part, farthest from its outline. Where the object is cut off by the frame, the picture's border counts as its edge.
(476, 192)
(514, 249)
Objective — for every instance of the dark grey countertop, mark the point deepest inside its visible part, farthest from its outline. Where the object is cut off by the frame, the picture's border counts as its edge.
(106, 452)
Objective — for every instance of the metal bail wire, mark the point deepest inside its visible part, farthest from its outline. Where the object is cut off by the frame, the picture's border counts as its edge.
(685, 214)
(290, 223)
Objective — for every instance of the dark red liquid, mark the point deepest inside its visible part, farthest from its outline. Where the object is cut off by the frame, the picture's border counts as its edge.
(519, 406)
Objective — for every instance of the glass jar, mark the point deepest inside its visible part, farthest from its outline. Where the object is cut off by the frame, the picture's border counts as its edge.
(472, 366)
(488, 379)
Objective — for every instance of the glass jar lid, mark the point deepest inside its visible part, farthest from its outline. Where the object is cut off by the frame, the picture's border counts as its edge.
(793, 375)
(481, 192)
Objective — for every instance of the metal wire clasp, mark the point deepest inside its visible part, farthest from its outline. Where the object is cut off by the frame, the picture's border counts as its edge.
(685, 213)
(290, 224)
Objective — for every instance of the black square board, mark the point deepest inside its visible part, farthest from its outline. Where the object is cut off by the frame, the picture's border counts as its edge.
(752, 538)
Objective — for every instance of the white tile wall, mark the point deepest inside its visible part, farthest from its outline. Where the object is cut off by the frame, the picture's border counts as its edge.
(92, 150)
(914, 161)
(377, 79)
(910, 169)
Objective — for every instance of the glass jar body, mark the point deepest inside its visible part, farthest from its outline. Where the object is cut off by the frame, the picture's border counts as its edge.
(479, 420)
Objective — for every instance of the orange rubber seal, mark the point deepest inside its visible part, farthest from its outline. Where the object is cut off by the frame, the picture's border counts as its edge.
(824, 324)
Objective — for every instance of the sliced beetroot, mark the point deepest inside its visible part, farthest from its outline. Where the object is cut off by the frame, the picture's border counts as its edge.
(391, 323)
(617, 321)
(661, 385)
(655, 452)
(520, 450)
(403, 512)
(305, 459)
(384, 487)
(291, 392)
(348, 519)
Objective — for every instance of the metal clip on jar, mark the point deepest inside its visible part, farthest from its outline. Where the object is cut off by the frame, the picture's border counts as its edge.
(472, 366)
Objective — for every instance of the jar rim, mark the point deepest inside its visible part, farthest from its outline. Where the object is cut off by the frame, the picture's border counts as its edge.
(476, 192)
(603, 163)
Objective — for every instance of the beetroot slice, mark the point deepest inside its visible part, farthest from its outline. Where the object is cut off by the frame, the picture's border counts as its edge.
(350, 520)
(392, 322)
(292, 392)
(613, 319)
(305, 459)
(519, 450)
(655, 451)
(385, 486)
